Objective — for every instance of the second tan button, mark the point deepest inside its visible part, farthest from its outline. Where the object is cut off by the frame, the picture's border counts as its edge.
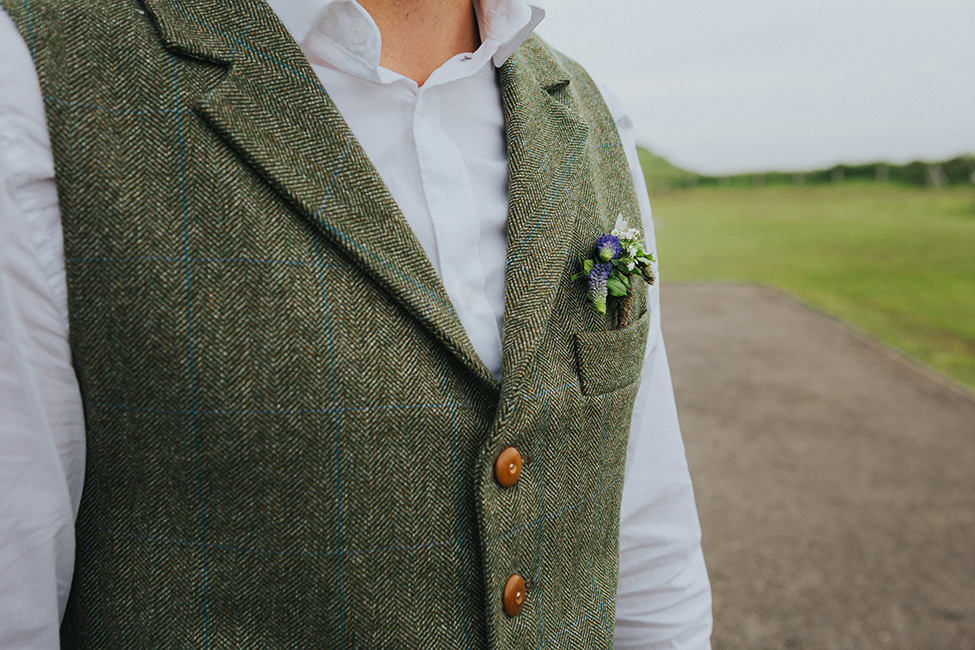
(514, 595)
(507, 467)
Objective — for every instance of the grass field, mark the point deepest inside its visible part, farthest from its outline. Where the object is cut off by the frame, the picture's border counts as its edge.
(894, 261)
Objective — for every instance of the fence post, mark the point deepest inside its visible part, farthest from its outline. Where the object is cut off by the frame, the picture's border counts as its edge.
(936, 176)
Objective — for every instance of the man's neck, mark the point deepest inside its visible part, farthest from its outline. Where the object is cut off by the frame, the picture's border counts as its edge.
(419, 35)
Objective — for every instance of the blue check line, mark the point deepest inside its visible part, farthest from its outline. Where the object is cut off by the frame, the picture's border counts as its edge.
(333, 383)
(541, 484)
(203, 260)
(605, 145)
(592, 548)
(541, 393)
(395, 548)
(567, 628)
(373, 255)
(554, 515)
(191, 357)
(335, 174)
(555, 192)
(458, 495)
(336, 433)
(319, 411)
(250, 24)
(323, 411)
(117, 111)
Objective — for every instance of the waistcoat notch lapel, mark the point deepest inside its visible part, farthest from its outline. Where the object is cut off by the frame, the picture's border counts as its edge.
(547, 144)
(274, 112)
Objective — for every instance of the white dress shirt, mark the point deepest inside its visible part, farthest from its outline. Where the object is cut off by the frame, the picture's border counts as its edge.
(440, 148)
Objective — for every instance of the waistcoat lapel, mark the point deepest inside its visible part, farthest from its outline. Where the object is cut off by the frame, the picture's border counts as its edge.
(274, 112)
(546, 148)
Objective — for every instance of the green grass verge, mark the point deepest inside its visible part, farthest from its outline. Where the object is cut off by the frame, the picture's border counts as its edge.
(895, 261)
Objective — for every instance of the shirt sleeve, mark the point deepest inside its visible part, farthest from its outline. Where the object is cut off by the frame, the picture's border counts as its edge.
(664, 596)
(41, 421)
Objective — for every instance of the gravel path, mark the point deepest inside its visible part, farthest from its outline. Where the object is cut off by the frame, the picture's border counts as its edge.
(835, 479)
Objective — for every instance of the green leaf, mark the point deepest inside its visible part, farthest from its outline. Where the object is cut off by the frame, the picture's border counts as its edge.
(616, 288)
(584, 272)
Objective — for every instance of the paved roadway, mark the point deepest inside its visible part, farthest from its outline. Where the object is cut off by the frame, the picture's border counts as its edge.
(835, 480)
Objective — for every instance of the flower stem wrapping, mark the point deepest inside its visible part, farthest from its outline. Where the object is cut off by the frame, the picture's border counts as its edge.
(624, 310)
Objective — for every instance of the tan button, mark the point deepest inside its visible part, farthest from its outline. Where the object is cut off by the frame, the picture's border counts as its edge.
(514, 595)
(507, 467)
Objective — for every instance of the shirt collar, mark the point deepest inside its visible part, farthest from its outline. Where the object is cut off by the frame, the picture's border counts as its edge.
(345, 25)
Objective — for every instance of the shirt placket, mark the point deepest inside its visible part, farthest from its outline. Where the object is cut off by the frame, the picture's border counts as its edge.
(455, 220)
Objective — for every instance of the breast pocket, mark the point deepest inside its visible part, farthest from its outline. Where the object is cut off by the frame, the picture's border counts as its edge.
(610, 360)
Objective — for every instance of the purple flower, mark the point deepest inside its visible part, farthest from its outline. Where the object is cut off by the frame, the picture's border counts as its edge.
(597, 285)
(608, 248)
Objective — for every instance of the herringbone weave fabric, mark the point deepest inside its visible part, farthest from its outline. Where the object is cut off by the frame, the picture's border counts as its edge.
(290, 439)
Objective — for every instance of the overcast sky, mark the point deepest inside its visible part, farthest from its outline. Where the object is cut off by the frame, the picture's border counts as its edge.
(747, 85)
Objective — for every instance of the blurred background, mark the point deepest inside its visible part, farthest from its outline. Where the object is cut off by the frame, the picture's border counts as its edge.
(811, 168)
(725, 87)
(836, 140)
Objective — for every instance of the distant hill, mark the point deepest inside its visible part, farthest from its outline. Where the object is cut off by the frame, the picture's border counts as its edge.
(662, 176)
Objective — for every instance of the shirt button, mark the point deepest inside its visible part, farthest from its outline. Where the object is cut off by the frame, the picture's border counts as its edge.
(358, 31)
(514, 595)
(467, 298)
(507, 467)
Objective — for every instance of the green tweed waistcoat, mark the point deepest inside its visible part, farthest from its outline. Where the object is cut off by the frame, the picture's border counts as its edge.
(291, 441)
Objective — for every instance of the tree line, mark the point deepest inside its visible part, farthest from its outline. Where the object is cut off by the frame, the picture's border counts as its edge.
(956, 171)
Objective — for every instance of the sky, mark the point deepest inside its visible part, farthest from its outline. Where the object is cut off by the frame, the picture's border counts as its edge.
(723, 86)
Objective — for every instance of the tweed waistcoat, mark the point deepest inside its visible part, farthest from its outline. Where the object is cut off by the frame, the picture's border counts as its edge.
(291, 441)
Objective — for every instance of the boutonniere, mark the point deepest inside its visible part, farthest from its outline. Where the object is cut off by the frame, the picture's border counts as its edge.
(617, 258)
